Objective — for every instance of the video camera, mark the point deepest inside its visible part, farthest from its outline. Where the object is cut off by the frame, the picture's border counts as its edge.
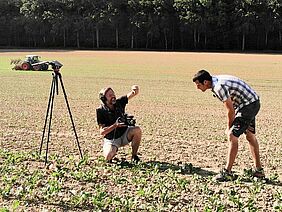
(127, 119)
(56, 65)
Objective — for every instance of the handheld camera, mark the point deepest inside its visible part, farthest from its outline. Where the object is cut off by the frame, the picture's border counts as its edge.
(127, 120)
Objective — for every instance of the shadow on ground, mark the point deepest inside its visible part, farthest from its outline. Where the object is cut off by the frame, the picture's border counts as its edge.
(181, 168)
(268, 181)
(188, 169)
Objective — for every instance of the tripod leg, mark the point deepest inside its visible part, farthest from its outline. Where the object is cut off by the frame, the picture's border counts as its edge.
(56, 83)
(47, 113)
(50, 119)
(65, 95)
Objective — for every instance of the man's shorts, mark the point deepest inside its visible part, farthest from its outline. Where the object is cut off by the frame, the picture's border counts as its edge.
(118, 142)
(245, 119)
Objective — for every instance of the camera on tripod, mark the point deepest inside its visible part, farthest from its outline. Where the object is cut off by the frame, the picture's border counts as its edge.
(127, 119)
(57, 78)
(56, 65)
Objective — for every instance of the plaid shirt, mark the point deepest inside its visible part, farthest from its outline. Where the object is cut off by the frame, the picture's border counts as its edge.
(241, 94)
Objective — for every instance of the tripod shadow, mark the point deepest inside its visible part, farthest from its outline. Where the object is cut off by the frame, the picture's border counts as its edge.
(62, 205)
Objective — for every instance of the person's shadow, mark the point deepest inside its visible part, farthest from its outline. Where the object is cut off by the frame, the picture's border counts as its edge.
(185, 169)
(181, 168)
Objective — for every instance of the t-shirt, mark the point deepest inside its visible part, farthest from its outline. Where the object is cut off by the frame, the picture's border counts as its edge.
(107, 117)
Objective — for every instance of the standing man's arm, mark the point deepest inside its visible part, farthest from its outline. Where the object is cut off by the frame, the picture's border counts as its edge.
(134, 91)
(230, 113)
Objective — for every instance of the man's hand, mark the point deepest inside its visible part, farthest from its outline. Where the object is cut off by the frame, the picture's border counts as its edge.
(227, 131)
(105, 130)
(134, 91)
(119, 124)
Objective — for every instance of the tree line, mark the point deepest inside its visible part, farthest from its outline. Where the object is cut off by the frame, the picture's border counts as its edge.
(142, 24)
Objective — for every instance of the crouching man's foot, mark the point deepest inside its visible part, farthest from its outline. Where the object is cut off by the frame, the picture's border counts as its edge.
(135, 159)
(113, 160)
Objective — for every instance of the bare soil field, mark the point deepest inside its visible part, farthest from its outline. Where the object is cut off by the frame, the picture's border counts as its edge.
(183, 142)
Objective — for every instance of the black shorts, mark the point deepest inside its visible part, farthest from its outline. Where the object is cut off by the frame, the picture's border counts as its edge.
(245, 119)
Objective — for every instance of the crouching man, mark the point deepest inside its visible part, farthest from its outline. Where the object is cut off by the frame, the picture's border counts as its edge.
(117, 130)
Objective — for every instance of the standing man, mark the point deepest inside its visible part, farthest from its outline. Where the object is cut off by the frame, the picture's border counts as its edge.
(117, 133)
(242, 104)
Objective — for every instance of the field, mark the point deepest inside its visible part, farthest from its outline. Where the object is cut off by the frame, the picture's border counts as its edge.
(183, 142)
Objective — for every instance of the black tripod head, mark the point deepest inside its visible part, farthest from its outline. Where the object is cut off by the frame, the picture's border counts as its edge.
(56, 65)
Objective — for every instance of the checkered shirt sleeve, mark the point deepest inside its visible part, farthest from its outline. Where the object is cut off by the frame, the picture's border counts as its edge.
(222, 93)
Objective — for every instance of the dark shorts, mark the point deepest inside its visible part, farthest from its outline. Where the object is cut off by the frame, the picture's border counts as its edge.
(245, 119)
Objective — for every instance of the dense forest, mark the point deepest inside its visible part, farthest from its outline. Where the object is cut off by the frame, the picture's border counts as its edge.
(142, 24)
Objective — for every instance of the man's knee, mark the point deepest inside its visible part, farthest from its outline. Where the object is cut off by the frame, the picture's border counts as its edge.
(250, 136)
(138, 130)
(232, 138)
(135, 131)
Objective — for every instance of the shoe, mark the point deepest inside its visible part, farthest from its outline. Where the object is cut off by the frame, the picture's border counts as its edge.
(258, 173)
(224, 175)
(109, 161)
(114, 160)
(135, 159)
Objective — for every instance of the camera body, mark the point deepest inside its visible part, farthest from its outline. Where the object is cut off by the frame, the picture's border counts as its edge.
(56, 65)
(127, 120)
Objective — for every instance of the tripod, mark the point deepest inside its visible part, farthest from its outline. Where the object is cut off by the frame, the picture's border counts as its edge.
(54, 87)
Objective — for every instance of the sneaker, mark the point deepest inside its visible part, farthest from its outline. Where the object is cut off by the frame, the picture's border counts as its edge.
(224, 176)
(258, 173)
(114, 160)
(109, 161)
(135, 159)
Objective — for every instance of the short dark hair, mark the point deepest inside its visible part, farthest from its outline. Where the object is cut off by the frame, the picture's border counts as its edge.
(201, 76)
